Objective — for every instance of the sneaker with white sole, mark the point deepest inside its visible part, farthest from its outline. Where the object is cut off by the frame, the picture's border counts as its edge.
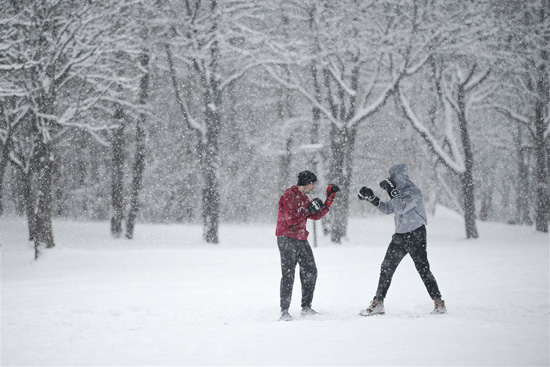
(439, 307)
(285, 316)
(308, 311)
(376, 307)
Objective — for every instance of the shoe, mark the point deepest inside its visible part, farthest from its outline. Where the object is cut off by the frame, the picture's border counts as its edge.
(439, 307)
(308, 311)
(376, 307)
(285, 316)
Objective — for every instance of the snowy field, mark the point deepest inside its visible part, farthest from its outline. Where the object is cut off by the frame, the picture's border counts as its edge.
(167, 298)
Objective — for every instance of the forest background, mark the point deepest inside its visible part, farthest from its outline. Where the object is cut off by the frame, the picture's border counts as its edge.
(204, 111)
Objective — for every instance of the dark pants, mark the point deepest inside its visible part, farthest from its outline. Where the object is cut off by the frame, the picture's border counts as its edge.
(296, 252)
(414, 244)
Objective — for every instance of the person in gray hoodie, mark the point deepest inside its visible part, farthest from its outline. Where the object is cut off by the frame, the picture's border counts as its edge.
(407, 205)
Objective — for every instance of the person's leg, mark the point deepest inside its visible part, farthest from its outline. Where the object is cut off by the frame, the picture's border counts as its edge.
(416, 246)
(394, 255)
(308, 272)
(287, 250)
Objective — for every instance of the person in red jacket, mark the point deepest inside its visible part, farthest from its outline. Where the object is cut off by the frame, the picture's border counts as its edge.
(295, 209)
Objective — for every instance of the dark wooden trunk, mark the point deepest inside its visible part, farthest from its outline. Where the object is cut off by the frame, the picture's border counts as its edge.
(211, 196)
(212, 107)
(467, 178)
(4, 158)
(522, 200)
(43, 230)
(139, 159)
(342, 145)
(28, 200)
(542, 210)
(117, 167)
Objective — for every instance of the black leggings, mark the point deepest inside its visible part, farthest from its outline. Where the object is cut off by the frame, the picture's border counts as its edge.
(414, 244)
(296, 252)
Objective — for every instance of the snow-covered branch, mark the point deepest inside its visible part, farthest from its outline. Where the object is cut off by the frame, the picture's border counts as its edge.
(336, 75)
(456, 166)
(511, 113)
(311, 98)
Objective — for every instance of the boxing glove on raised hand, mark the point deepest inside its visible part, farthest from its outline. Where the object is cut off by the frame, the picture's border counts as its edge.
(315, 205)
(367, 194)
(332, 189)
(388, 185)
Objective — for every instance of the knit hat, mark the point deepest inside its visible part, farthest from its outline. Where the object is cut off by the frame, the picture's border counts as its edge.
(305, 178)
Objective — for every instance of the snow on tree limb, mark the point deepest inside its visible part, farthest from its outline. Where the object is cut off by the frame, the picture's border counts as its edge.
(306, 94)
(457, 166)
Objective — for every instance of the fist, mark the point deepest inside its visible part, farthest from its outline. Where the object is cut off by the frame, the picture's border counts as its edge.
(366, 193)
(315, 205)
(332, 189)
(389, 186)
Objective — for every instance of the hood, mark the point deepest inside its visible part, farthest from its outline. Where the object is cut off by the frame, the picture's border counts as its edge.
(400, 175)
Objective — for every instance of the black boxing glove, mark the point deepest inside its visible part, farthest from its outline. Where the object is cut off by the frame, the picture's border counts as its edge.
(315, 205)
(367, 194)
(389, 186)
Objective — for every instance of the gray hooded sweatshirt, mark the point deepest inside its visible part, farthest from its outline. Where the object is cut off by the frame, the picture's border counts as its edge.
(408, 207)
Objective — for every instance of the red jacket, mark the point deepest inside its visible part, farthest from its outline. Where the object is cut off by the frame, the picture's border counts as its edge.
(291, 220)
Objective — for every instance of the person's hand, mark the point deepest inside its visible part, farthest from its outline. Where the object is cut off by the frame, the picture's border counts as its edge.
(332, 189)
(315, 205)
(366, 193)
(389, 186)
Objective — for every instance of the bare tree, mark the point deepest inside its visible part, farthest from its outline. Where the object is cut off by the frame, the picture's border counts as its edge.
(529, 40)
(12, 112)
(58, 64)
(206, 37)
(457, 86)
(361, 52)
(139, 158)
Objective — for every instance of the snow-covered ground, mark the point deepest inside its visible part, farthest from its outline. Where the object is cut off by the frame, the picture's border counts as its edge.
(167, 298)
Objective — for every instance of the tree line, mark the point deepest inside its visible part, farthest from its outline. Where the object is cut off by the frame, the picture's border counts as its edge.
(204, 110)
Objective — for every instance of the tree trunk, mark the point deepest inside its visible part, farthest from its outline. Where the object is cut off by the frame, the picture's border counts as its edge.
(28, 200)
(522, 201)
(213, 105)
(211, 196)
(542, 211)
(467, 177)
(283, 113)
(316, 115)
(341, 208)
(342, 144)
(139, 162)
(43, 210)
(314, 138)
(284, 164)
(117, 185)
(211, 206)
(4, 157)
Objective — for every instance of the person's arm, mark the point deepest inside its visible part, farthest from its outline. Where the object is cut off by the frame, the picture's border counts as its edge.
(405, 202)
(386, 208)
(331, 191)
(320, 213)
(367, 194)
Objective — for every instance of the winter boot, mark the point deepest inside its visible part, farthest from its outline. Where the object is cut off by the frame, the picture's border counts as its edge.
(376, 307)
(308, 311)
(285, 316)
(439, 307)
